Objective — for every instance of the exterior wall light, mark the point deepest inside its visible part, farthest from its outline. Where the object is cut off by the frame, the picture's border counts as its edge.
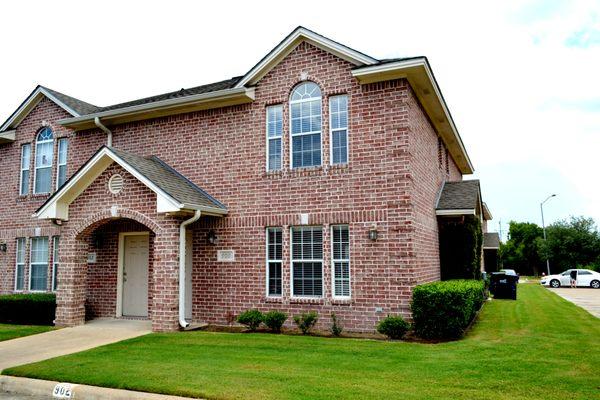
(3, 247)
(212, 237)
(373, 233)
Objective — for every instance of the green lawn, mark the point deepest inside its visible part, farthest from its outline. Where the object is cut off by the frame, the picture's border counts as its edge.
(539, 347)
(8, 331)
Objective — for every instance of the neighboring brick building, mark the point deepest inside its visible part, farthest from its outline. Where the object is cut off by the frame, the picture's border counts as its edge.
(310, 183)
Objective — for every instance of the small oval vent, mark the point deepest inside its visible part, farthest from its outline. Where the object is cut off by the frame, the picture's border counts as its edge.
(115, 184)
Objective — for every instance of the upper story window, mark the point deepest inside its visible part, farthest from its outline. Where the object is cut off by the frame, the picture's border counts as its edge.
(61, 170)
(305, 125)
(274, 134)
(338, 111)
(44, 153)
(25, 163)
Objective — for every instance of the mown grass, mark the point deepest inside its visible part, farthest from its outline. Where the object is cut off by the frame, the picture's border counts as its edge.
(8, 331)
(539, 347)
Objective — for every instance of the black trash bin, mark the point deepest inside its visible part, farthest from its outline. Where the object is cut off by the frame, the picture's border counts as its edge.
(503, 286)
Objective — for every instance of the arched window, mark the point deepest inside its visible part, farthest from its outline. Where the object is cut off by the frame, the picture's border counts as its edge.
(305, 125)
(44, 152)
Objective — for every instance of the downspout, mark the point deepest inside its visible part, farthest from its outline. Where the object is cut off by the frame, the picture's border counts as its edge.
(100, 125)
(182, 229)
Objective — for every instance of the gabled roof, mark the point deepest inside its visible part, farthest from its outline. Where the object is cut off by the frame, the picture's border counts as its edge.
(491, 240)
(459, 198)
(174, 192)
(73, 106)
(298, 35)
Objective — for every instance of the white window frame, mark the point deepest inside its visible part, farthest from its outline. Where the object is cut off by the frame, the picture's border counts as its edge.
(22, 170)
(269, 261)
(31, 263)
(63, 164)
(23, 248)
(334, 260)
(35, 168)
(269, 138)
(332, 131)
(55, 265)
(293, 135)
(312, 260)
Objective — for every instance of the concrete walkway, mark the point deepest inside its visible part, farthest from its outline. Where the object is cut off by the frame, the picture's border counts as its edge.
(588, 299)
(56, 343)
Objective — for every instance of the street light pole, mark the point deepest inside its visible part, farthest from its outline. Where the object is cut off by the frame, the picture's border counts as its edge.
(544, 228)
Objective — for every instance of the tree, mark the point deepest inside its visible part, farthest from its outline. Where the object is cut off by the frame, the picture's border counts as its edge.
(573, 243)
(520, 252)
(460, 249)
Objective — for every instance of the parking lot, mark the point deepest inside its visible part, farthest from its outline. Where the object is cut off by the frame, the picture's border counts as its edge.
(588, 299)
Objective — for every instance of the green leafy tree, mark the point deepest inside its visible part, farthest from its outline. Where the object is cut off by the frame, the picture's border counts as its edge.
(460, 249)
(571, 243)
(521, 250)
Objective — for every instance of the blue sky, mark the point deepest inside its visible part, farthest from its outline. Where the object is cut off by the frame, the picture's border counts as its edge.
(520, 77)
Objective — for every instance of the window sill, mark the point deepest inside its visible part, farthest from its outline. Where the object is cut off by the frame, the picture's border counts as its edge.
(341, 302)
(273, 299)
(307, 171)
(307, 300)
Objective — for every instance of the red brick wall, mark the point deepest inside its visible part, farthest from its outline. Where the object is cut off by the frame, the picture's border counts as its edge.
(388, 183)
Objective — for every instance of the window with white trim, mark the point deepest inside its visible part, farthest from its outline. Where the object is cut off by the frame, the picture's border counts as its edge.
(338, 111)
(55, 240)
(20, 264)
(307, 261)
(61, 168)
(274, 135)
(44, 153)
(25, 165)
(274, 256)
(340, 260)
(38, 271)
(305, 125)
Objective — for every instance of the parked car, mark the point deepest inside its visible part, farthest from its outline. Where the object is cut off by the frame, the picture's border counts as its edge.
(511, 272)
(585, 278)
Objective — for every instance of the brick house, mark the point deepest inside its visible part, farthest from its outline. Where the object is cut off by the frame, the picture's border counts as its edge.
(312, 182)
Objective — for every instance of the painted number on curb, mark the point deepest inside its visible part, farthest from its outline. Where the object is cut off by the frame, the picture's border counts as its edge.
(62, 391)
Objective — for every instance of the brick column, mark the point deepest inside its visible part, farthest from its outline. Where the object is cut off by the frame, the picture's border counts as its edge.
(165, 309)
(72, 274)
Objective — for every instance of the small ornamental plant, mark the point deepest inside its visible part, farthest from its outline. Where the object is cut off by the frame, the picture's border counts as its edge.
(393, 327)
(336, 328)
(274, 320)
(306, 321)
(251, 318)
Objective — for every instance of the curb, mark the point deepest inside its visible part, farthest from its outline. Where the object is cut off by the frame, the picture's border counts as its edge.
(38, 387)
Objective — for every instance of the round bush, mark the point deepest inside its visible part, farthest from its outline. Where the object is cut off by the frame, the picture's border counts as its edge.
(251, 318)
(393, 327)
(306, 321)
(275, 320)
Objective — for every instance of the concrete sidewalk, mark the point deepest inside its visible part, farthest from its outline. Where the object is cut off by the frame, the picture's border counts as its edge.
(588, 299)
(56, 343)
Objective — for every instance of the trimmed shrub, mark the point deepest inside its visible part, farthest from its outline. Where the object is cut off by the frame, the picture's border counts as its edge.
(393, 327)
(274, 320)
(251, 318)
(336, 328)
(306, 321)
(28, 309)
(442, 310)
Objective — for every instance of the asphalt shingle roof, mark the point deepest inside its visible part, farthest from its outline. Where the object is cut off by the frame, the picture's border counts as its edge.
(169, 180)
(79, 106)
(459, 195)
(491, 240)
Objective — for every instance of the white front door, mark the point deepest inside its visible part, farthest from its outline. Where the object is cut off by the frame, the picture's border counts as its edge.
(135, 275)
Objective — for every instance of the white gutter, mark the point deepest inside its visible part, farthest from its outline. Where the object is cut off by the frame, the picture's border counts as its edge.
(105, 129)
(182, 230)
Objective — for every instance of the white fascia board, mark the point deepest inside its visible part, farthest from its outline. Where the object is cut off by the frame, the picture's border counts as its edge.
(215, 211)
(299, 35)
(33, 99)
(8, 136)
(58, 207)
(407, 69)
(157, 105)
(465, 211)
(490, 248)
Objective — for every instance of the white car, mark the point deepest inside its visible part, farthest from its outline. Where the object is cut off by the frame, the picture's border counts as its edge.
(585, 278)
